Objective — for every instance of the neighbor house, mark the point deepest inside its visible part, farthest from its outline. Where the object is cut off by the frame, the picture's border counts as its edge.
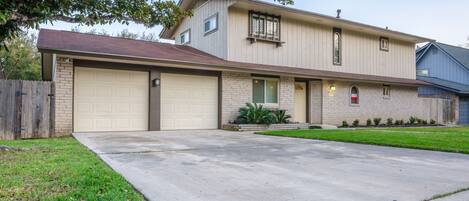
(320, 69)
(446, 67)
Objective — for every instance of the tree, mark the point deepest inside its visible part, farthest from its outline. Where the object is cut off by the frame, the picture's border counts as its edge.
(21, 61)
(123, 34)
(18, 15)
(285, 2)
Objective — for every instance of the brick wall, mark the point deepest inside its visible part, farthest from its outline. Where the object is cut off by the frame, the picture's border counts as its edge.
(287, 94)
(237, 91)
(402, 104)
(64, 96)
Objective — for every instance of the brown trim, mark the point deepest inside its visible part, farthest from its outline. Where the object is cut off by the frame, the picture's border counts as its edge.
(154, 116)
(73, 93)
(220, 101)
(266, 76)
(248, 67)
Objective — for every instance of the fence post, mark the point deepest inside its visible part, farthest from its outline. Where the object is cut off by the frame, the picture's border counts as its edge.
(52, 110)
(18, 109)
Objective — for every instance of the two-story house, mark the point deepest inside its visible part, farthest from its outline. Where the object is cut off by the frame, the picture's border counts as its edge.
(320, 69)
(446, 67)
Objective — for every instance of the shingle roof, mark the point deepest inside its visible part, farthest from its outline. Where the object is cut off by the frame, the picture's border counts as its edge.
(102, 46)
(446, 84)
(458, 53)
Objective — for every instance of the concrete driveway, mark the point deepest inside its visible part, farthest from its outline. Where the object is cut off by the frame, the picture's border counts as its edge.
(221, 165)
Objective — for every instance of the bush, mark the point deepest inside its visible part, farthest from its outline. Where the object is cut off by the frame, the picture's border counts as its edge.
(389, 121)
(344, 124)
(356, 123)
(280, 117)
(399, 122)
(419, 121)
(412, 120)
(254, 114)
(368, 122)
(424, 122)
(377, 121)
(432, 122)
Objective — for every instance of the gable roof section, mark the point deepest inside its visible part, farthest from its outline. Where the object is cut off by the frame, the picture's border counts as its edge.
(459, 54)
(445, 84)
(65, 42)
(312, 17)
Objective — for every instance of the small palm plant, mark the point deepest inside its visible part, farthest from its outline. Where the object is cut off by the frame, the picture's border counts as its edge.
(254, 114)
(281, 116)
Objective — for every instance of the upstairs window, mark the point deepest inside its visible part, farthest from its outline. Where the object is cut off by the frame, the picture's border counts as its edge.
(422, 72)
(354, 95)
(265, 90)
(186, 37)
(384, 44)
(211, 24)
(264, 26)
(386, 91)
(337, 46)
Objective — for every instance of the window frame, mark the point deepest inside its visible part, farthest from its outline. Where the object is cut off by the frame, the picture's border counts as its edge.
(381, 47)
(274, 20)
(188, 31)
(265, 79)
(386, 88)
(214, 16)
(339, 32)
(350, 96)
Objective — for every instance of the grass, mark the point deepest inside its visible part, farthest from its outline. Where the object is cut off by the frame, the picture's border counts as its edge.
(58, 169)
(437, 139)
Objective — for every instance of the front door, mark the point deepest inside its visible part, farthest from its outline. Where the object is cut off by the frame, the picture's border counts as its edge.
(300, 102)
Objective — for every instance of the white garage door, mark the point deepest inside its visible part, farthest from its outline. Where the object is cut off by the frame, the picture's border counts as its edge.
(110, 100)
(189, 102)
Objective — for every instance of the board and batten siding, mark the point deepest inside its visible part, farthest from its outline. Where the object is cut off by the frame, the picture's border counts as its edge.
(440, 65)
(213, 43)
(309, 45)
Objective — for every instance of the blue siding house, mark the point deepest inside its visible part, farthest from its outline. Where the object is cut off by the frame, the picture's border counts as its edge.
(446, 67)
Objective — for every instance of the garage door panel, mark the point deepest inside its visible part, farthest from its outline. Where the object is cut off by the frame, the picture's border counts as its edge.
(110, 100)
(189, 102)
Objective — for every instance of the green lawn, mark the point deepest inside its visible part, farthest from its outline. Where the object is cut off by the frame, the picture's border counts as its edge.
(58, 169)
(438, 139)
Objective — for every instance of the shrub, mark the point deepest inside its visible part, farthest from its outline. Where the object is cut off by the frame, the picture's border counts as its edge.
(254, 114)
(368, 122)
(399, 122)
(389, 121)
(280, 116)
(419, 121)
(412, 120)
(432, 122)
(377, 121)
(424, 122)
(356, 123)
(344, 124)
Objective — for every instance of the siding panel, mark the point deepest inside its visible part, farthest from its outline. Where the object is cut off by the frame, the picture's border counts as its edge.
(309, 45)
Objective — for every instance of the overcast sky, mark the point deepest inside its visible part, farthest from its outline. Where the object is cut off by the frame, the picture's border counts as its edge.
(446, 21)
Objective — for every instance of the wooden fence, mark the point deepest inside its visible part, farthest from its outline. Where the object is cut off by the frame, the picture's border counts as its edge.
(26, 109)
(441, 109)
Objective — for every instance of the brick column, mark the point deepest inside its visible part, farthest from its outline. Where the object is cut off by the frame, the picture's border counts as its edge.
(236, 92)
(64, 96)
